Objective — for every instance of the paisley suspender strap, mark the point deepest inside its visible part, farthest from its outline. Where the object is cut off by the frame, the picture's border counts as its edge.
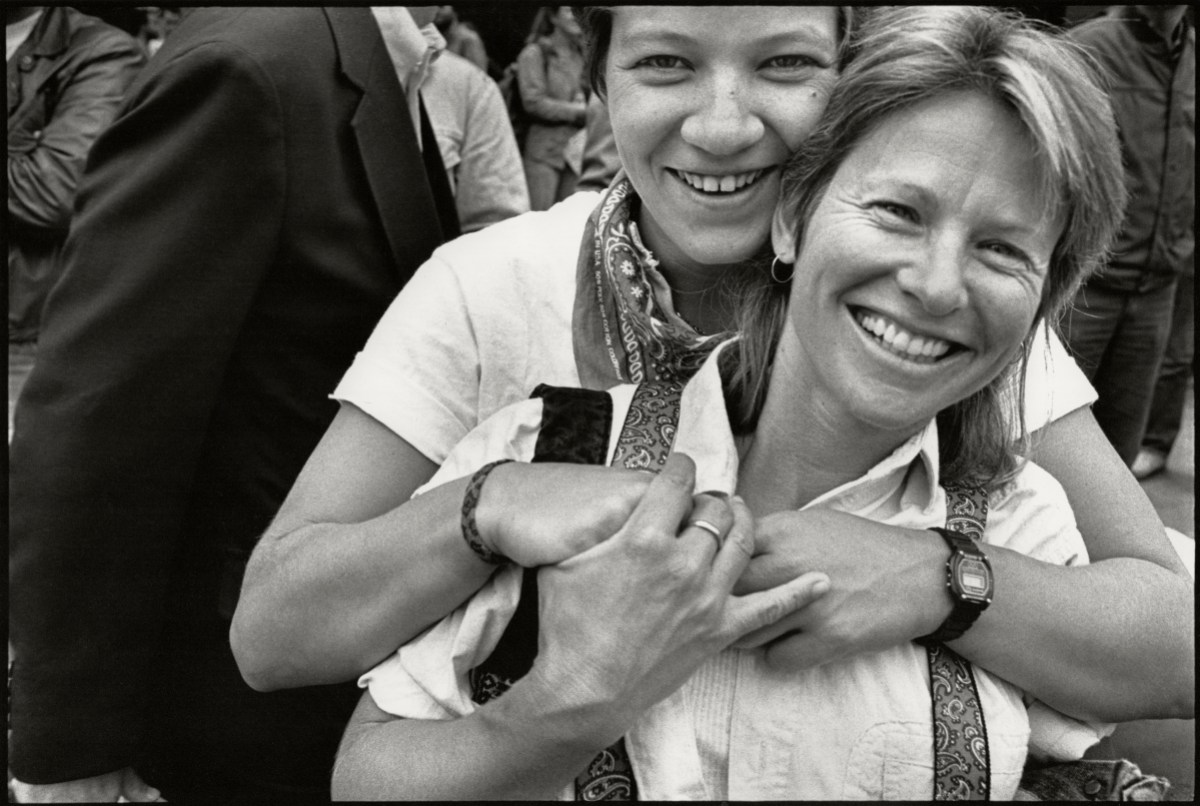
(576, 425)
(961, 764)
(649, 431)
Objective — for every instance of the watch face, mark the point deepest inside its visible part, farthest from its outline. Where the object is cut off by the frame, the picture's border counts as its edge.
(973, 577)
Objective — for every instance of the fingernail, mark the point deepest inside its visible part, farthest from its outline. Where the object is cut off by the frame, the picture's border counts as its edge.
(821, 587)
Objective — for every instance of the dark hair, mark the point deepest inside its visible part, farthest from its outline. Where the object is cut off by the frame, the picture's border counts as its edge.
(596, 24)
(899, 58)
(543, 23)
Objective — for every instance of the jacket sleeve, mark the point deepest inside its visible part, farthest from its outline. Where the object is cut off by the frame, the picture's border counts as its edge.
(535, 94)
(43, 174)
(180, 212)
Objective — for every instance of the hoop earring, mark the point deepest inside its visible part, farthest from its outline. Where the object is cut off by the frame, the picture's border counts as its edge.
(781, 281)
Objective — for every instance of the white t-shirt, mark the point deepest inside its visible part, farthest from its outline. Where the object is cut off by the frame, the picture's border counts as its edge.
(856, 729)
(488, 317)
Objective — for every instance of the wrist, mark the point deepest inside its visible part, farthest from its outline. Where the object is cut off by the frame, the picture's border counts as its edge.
(481, 508)
(561, 712)
(936, 606)
(968, 583)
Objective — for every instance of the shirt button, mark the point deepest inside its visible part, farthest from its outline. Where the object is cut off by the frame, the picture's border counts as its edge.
(26, 62)
(1093, 787)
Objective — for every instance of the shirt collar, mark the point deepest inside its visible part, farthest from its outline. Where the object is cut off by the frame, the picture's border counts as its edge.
(411, 49)
(705, 435)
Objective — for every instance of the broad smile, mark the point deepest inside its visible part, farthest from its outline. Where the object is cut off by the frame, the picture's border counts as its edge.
(720, 184)
(917, 347)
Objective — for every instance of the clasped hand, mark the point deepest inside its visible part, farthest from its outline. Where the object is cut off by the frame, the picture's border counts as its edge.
(886, 583)
(626, 622)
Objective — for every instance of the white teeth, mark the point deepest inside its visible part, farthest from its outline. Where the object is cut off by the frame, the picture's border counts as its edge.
(901, 342)
(719, 184)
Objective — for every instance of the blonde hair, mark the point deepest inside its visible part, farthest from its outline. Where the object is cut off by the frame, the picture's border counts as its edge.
(899, 58)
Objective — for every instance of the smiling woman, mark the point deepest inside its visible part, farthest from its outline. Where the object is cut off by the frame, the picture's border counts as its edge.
(706, 106)
(948, 221)
(624, 286)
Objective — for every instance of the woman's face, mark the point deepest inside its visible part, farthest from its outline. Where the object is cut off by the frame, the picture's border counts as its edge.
(706, 104)
(922, 266)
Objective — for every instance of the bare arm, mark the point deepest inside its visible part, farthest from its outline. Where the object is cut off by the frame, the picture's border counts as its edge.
(1075, 637)
(652, 586)
(351, 569)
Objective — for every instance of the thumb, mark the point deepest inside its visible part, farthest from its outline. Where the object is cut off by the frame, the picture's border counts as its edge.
(745, 614)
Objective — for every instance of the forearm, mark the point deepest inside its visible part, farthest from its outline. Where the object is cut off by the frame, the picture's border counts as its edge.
(324, 602)
(524, 745)
(1079, 638)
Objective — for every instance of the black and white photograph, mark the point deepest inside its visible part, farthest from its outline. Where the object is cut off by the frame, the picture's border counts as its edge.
(638, 402)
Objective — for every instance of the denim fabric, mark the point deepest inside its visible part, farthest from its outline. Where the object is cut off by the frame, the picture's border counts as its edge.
(1091, 780)
(1170, 392)
(1118, 339)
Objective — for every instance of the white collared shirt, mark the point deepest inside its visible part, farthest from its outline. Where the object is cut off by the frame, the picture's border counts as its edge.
(411, 49)
(856, 729)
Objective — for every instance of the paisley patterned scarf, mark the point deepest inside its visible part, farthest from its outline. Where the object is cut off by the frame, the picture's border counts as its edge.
(624, 324)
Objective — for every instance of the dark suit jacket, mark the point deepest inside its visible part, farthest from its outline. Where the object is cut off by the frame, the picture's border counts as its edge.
(242, 225)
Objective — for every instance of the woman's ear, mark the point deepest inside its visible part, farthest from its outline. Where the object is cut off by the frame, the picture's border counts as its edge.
(783, 240)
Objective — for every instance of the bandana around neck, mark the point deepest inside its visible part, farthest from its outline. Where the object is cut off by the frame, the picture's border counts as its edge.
(625, 326)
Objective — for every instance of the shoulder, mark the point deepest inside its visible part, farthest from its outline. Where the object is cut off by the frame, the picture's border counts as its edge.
(531, 242)
(1031, 514)
(1103, 31)
(453, 71)
(281, 40)
(90, 33)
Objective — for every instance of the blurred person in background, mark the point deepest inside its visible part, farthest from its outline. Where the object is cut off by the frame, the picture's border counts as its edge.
(67, 74)
(476, 141)
(1170, 390)
(259, 200)
(551, 82)
(461, 37)
(600, 158)
(1118, 328)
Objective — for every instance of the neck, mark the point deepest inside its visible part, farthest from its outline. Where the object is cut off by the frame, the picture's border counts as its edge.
(696, 288)
(805, 443)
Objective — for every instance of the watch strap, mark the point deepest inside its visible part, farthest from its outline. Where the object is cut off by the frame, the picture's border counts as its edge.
(965, 612)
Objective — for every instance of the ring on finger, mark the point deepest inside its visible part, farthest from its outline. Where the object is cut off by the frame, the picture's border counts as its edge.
(700, 523)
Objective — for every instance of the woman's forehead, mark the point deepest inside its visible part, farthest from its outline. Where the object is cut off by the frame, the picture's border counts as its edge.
(727, 23)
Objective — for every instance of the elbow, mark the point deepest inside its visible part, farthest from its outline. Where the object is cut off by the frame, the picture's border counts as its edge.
(255, 655)
(254, 667)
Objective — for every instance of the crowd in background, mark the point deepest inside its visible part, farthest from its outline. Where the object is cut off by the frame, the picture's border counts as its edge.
(500, 119)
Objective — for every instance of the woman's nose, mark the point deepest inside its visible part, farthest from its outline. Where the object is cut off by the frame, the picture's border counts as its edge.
(724, 125)
(936, 280)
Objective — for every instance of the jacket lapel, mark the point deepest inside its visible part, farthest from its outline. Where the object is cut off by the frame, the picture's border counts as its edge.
(386, 140)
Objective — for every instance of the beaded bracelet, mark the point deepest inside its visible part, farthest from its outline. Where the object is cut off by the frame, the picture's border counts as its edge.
(469, 529)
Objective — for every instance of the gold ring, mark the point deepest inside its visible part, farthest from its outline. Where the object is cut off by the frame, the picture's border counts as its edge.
(708, 527)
